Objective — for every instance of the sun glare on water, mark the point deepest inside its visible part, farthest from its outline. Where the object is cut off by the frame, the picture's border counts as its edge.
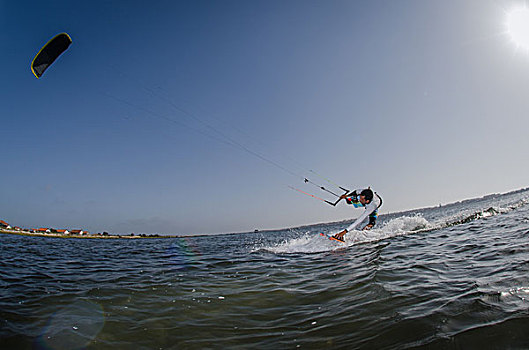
(518, 27)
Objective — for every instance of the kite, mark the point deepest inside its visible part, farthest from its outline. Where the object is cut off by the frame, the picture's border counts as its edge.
(49, 53)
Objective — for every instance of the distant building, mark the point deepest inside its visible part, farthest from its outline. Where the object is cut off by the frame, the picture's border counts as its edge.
(4, 224)
(63, 232)
(77, 232)
(43, 230)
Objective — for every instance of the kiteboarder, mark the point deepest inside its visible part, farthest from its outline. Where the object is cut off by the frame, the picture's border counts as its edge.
(366, 198)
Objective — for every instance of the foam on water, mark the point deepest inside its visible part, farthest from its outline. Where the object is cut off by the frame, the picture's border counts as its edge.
(395, 227)
(313, 242)
(307, 243)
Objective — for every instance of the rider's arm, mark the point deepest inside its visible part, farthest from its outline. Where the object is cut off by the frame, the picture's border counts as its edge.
(370, 208)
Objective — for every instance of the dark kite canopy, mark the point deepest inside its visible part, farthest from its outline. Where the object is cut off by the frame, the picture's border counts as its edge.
(49, 53)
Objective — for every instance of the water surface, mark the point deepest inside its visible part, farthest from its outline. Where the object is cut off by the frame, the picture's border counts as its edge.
(450, 277)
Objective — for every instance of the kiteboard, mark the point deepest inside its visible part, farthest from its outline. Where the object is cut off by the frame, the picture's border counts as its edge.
(332, 238)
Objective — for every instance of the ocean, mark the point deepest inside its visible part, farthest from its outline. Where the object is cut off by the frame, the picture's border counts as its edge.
(449, 277)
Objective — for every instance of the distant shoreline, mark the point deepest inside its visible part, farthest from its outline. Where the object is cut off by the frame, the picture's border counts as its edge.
(24, 232)
(89, 236)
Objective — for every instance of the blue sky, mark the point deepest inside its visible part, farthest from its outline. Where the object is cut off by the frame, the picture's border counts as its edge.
(131, 129)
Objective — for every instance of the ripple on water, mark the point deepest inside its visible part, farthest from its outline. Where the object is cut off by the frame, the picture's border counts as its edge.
(418, 280)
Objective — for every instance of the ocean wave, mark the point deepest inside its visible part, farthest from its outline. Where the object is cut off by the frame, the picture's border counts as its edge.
(311, 242)
(446, 277)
